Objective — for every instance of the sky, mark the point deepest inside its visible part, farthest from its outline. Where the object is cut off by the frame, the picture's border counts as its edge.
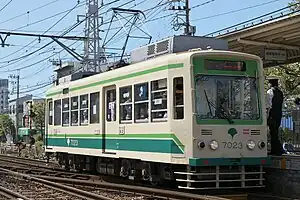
(52, 17)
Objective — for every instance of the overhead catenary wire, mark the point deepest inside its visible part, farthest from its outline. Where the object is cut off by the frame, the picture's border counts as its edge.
(257, 18)
(69, 11)
(27, 66)
(147, 9)
(235, 11)
(202, 4)
(35, 63)
(64, 33)
(25, 13)
(5, 5)
(43, 68)
(51, 16)
(30, 11)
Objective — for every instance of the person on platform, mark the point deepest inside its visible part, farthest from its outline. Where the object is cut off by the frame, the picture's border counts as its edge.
(274, 115)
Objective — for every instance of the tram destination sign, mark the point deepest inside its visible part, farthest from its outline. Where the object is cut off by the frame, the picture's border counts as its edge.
(275, 55)
(225, 65)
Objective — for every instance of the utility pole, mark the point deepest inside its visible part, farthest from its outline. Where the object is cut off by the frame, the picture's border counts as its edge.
(187, 18)
(182, 18)
(16, 84)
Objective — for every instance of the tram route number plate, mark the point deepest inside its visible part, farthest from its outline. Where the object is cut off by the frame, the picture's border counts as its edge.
(232, 145)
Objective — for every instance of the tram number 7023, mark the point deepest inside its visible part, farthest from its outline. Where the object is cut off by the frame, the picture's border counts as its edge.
(233, 145)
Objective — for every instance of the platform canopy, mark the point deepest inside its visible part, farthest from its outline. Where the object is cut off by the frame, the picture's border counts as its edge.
(277, 41)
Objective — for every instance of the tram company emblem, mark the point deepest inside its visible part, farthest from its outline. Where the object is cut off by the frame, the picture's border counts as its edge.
(68, 141)
(232, 132)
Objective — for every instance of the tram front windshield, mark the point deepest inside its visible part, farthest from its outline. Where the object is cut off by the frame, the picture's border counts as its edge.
(227, 97)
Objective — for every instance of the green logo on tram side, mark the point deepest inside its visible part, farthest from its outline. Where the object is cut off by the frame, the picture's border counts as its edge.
(232, 132)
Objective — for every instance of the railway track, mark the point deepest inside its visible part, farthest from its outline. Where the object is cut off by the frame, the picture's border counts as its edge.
(28, 187)
(38, 167)
(34, 187)
(96, 184)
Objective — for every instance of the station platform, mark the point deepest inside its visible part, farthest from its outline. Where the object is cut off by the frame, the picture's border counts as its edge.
(283, 175)
(286, 161)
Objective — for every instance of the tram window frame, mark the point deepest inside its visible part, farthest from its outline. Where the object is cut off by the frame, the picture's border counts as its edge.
(159, 100)
(50, 113)
(139, 102)
(57, 112)
(84, 109)
(109, 103)
(66, 111)
(178, 108)
(94, 107)
(125, 102)
(74, 109)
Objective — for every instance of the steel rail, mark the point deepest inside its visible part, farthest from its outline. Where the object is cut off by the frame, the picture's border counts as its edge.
(11, 194)
(64, 188)
(62, 176)
(135, 189)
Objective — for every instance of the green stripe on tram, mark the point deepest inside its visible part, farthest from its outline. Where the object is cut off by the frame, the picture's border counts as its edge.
(160, 143)
(119, 78)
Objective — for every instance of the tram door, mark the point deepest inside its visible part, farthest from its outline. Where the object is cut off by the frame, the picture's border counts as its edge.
(48, 121)
(110, 124)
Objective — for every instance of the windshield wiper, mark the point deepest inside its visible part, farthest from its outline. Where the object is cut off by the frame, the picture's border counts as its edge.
(227, 115)
(224, 114)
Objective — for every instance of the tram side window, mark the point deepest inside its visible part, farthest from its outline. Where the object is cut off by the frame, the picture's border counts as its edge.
(50, 113)
(84, 108)
(111, 105)
(178, 98)
(126, 104)
(57, 112)
(141, 102)
(74, 111)
(159, 100)
(94, 108)
(65, 112)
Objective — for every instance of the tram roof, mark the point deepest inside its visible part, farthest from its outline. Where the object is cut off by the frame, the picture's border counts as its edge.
(280, 36)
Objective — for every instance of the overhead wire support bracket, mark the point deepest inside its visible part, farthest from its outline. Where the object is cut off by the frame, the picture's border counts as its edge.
(36, 35)
(3, 40)
(69, 50)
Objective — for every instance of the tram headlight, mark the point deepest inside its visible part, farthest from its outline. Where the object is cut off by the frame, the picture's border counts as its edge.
(213, 145)
(261, 144)
(201, 145)
(250, 144)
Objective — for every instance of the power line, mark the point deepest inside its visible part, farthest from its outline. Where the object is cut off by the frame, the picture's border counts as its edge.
(5, 5)
(35, 39)
(259, 17)
(235, 11)
(30, 11)
(40, 61)
(64, 33)
(34, 89)
(50, 17)
(68, 12)
(43, 68)
(202, 4)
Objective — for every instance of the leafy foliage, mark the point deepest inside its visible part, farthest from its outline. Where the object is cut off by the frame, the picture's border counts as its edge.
(295, 7)
(6, 125)
(289, 77)
(39, 115)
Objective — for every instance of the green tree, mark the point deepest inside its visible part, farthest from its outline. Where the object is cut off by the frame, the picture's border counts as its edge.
(289, 79)
(6, 125)
(295, 5)
(38, 116)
